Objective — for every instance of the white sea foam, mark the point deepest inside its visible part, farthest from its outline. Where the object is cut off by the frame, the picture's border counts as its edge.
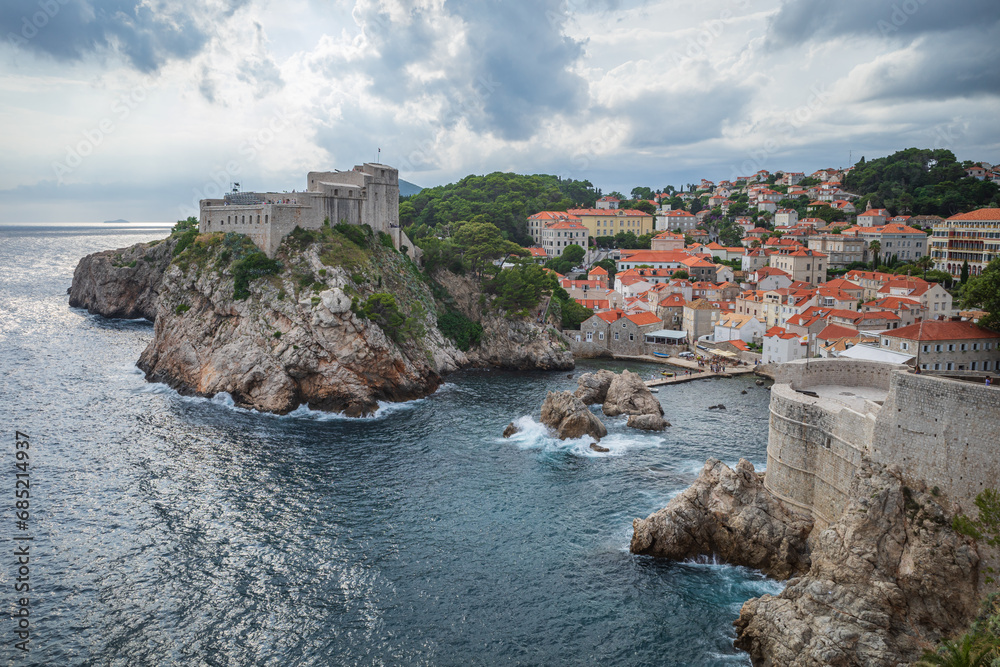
(534, 435)
(225, 400)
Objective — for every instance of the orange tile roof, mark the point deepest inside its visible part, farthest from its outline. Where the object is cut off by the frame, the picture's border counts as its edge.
(833, 331)
(943, 330)
(641, 319)
(979, 214)
(598, 271)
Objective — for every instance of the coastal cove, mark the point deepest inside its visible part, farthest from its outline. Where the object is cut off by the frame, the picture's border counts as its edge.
(170, 527)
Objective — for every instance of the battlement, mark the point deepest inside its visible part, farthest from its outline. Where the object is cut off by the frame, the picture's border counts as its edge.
(827, 414)
(365, 195)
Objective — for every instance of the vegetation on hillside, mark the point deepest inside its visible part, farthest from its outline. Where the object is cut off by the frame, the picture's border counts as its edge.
(919, 181)
(502, 199)
(983, 291)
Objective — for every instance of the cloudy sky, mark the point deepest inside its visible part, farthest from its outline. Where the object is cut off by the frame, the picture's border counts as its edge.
(137, 108)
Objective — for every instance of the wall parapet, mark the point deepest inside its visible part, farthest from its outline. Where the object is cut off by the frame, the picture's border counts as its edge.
(940, 432)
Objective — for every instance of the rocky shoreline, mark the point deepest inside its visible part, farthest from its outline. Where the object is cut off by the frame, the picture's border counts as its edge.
(885, 581)
(300, 338)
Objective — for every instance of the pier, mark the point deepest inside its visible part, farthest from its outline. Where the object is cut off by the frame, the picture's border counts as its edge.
(698, 372)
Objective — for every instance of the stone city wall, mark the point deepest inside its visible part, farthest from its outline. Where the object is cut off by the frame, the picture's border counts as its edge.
(940, 432)
(944, 432)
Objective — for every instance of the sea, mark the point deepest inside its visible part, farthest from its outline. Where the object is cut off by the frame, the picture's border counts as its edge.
(171, 530)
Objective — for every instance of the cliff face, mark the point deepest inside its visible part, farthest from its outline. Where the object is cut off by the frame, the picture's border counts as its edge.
(884, 581)
(888, 578)
(122, 283)
(515, 344)
(296, 339)
(730, 514)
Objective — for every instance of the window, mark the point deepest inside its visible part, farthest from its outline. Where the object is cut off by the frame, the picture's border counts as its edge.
(951, 347)
(927, 348)
(616, 335)
(600, 335)
(937, 367)
(986, 365)
(949, 366)
(975, 346)
(937, 348)
(973, 366)
(905, 346)
(590, 336)
(964, 347)
(631, 336)
(885, 342)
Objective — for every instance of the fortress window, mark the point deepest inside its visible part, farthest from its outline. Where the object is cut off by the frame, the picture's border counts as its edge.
(265, 218)
(227, 219)
(243, 218)
(336, 192)
(258, 218)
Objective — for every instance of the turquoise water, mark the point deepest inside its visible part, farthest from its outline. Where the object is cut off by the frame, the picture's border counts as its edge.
(172, 530)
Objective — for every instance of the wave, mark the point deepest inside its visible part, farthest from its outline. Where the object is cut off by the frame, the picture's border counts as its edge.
(535, 435)
(303, 412)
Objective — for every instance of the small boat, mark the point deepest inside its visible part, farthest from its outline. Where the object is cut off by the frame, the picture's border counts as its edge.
(668, 374)
(661, 355)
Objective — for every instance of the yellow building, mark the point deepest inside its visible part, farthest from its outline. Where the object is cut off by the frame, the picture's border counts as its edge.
(601, 222)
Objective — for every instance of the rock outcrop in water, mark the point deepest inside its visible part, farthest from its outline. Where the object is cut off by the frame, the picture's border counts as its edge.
(300, 335)
(122, 283)
(570, 418)
(511, 343)
(628, 395)
(887, 579)
(592, 388)
(727, 513)
(296, 340)
(882, 583)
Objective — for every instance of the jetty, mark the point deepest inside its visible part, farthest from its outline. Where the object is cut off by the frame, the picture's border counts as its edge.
(697, 372)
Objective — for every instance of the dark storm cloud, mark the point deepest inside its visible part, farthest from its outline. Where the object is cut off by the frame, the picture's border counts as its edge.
(940, 69)
(512, 71)
(69, 30)
(663, 118)
(800, 21)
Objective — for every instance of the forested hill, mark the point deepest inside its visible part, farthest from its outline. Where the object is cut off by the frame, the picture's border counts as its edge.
(504, 199)
(919, 181)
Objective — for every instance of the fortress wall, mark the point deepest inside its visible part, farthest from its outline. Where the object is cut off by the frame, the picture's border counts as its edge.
(940, 432)
(814, 448)
(803, 374)
(943, 432)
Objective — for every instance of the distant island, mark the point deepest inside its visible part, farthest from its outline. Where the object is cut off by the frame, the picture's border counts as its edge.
(115, 222)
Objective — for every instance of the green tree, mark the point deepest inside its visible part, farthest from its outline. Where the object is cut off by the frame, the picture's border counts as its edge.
(924, 263)
(642, 192)
(964, 276)
(875, 247)
(573, 253)
(965, 652)
(681, 275)
(482, 242)
(983, 291)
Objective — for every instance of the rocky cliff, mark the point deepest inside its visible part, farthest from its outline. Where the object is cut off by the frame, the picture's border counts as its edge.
(335, 324)
(302, 334)
(512, 343)
(727, 513)
(884, 581)
(122, 283)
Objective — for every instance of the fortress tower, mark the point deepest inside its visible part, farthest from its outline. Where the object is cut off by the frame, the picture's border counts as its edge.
(366, 195)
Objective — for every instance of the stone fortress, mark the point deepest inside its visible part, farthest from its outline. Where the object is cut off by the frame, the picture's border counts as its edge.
(366, 195)
(827, 413)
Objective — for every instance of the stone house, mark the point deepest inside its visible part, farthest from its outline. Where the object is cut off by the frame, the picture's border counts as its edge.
(946, 345)
(699, 318)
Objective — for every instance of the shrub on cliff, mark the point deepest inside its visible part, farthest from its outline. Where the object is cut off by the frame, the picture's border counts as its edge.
(381, 309)
(520, 288)
(254, 265)
(465, 332)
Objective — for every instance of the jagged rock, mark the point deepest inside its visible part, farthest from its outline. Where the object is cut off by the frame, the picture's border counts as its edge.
(759, 383)
(597, 448)
(648, 422)
(727, 512)
(744, 391)
(593, 387)
(567, 414)
(122, 283)
(511, 343)
(720, 406)
(510, 430)
(628, 394)
(888, 578)
(273, 352)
